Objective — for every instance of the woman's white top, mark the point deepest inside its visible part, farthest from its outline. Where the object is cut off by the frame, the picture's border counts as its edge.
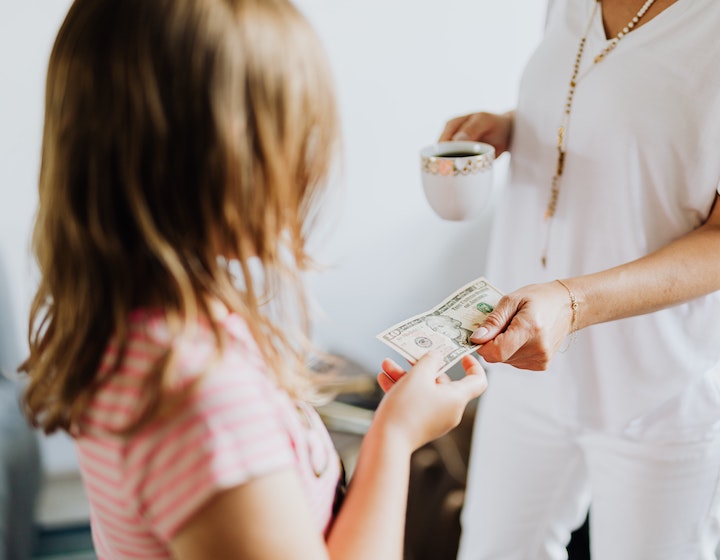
(642, 169)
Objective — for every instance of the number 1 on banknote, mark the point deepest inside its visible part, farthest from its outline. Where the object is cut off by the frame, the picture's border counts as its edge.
(447, 327)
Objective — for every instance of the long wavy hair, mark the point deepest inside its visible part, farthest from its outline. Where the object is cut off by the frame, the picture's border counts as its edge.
(178, 134)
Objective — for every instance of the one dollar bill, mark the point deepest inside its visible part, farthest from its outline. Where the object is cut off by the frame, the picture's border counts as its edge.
(446, 327)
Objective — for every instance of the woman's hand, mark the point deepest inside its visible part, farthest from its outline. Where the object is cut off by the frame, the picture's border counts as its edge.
(422, 405)
(490, 128)
(527, 327)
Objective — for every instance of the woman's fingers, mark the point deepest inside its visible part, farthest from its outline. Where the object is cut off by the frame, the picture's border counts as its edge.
(474, 128)
(451, 128)
(497, 321)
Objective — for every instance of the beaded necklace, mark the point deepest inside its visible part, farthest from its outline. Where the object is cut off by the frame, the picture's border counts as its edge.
(574, 80)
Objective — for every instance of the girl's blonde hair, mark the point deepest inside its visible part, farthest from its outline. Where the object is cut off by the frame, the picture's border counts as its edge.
(176, 132)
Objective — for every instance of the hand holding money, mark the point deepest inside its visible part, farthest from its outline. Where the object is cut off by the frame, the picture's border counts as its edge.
(421, 405)
(447, 327)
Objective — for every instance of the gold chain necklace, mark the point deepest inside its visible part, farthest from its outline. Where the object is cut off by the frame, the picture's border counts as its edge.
(574, 80)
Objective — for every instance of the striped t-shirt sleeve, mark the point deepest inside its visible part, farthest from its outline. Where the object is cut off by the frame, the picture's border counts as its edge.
(228, 433)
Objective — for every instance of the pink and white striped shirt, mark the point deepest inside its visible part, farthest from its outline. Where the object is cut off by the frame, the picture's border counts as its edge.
(236, 425)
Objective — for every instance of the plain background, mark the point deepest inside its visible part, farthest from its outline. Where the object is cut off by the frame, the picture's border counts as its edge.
(402, 69)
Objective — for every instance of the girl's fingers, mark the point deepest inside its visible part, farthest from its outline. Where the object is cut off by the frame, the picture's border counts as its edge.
(385, 381)
(392, 369)
(390, 374)
(472, 385)
(429, 364)
(475, 381)
(472, 365)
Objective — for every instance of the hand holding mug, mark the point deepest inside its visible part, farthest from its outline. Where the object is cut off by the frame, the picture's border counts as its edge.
(491, 128)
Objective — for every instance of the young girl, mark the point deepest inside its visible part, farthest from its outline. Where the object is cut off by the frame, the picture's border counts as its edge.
(180, 136)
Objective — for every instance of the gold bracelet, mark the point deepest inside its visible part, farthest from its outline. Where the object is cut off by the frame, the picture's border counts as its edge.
(574, 305)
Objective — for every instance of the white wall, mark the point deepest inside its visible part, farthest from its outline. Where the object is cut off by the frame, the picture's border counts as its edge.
(402, 68)
(27, 31)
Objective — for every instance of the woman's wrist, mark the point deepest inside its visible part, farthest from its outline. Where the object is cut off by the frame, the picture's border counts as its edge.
(574, 311)
(574, 306)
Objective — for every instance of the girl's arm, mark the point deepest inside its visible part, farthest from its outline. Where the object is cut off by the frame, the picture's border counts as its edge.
(419, 407)
(264, 519)
(269, 517)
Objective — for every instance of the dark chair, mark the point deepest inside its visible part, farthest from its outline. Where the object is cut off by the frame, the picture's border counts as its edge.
(19, 476)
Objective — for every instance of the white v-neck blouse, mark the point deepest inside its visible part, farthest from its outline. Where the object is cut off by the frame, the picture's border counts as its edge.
(642, 169)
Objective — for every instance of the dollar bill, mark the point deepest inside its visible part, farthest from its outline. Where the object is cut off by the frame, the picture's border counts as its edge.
(446, 327)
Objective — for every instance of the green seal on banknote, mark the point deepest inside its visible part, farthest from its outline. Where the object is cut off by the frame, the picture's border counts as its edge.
(484, 307)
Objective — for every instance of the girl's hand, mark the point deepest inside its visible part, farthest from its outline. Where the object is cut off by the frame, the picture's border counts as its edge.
(391, 373)
(490, 128)
(527, 327)
(422, 405)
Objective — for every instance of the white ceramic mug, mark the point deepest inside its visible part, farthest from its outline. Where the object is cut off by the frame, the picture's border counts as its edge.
(457, 178)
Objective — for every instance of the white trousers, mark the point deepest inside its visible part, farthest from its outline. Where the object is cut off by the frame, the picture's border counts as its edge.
(532, 478)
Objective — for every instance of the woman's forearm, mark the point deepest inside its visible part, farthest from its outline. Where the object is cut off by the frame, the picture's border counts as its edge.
(683, 270)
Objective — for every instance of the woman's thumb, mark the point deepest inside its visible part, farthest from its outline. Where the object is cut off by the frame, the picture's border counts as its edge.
(495, 322)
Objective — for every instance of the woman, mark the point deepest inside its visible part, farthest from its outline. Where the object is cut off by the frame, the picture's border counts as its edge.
(612, 221)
